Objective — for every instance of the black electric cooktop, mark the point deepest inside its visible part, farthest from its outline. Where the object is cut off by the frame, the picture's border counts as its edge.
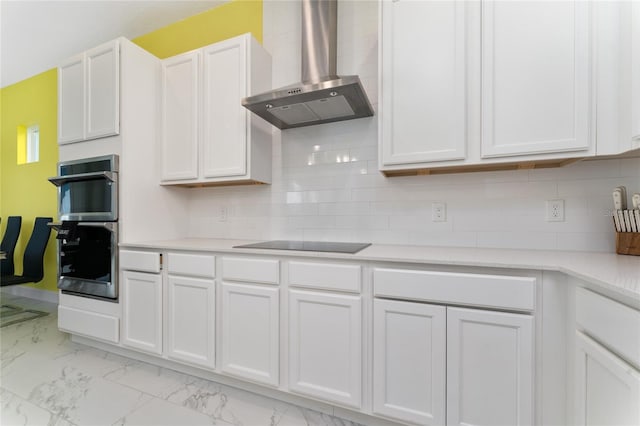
(325, 246)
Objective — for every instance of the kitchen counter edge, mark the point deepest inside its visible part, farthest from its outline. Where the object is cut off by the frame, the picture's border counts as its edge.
(617, 275)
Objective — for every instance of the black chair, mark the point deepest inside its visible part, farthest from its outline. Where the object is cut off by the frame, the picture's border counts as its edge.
(8, 245)
(33, 263)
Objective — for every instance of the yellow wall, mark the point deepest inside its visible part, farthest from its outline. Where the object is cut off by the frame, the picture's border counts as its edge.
(24, 189)
(225, 21)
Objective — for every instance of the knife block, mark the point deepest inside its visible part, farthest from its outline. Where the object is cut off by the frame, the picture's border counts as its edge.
(628, 243)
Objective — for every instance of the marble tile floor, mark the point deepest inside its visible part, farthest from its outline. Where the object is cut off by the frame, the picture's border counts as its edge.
(45, 379)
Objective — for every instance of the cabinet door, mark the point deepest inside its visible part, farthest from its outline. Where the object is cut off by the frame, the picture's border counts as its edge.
(103, 90)
(536, 61)
(191, 322)
(423, 99)
(71, 100)
(224, 144)
(250, 332)
(489, 368)
(635, 70)
(325, 346)
(409, 361)
(180, 117)
(142, 311)
(607, 389)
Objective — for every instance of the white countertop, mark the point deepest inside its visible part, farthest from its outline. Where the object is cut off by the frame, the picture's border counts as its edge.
(617, 274)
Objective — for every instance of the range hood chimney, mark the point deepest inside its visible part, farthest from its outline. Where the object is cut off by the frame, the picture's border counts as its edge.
(322, 96)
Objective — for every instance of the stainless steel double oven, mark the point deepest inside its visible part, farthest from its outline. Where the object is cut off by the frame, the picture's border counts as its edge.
(88, 227)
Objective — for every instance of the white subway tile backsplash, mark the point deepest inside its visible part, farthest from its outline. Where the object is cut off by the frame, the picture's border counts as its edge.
(587, 241)
(518, 240)
(326, 184)
(446, 239)
(362, 222)
(353, 209)
(630, 167)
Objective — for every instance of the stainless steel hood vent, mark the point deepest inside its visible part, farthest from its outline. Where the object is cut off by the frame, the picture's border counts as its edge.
(322, 96)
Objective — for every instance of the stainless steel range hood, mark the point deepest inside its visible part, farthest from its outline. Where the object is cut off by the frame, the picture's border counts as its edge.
(323, 96)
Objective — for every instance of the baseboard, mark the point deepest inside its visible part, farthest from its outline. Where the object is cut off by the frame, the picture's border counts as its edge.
(32, 293)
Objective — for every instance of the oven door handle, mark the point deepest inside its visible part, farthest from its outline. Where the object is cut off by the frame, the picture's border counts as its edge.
(111, 226)
(54, 225)
(61, 180)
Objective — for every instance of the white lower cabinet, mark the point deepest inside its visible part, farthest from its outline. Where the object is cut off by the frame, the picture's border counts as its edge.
(409, 361)
(468, 366)
(141, 295)
(191, 320)
(325, 346)
(607, 388)
(489, 368)
(250, 332)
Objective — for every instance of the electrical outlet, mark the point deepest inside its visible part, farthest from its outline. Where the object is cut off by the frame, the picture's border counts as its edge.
(222, 214)
(555, 210)
(438, 212)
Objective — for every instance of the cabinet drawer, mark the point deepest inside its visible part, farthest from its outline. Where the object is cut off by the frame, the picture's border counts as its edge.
(495, 291)
(265, 271)
(143, 261)
(89, 324)
(327, 276)
(611, 323)
(197, 265)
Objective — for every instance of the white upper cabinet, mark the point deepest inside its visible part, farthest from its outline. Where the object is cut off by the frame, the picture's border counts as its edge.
(180, 112)
(536, 81)
(635, 72)
(103, 90)
(422, 83)
(225, 128)
(71, 100)
(208, 138)
(89, 94)
(506, 84)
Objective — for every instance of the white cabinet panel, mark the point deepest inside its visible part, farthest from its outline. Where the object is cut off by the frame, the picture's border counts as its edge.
(195, 265)
(265, 271)
(250, 332)
(141, 261)
(422, 85)
(489, 368)
(141, 297)
(191, 320)
(180, 116)
(71, 100)
(499, 291)
(103, 90)
(326, 276)
(90, 324)
(208, 137)
(635, 70)
(615, 325)
(325, 346)
(536, 77)
(225, 126)
(607, 389)
(409, 361)
(89, 94)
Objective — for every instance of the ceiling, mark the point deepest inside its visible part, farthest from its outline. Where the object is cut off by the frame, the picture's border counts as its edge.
(36, 35)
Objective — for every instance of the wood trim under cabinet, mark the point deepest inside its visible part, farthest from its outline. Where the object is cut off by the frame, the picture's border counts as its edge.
(543, 164)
